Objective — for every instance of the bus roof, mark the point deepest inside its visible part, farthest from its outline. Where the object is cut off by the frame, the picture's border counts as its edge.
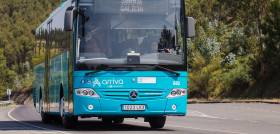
(54, 13)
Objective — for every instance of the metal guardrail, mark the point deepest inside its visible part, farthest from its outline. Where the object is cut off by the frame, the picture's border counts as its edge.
(5, 103)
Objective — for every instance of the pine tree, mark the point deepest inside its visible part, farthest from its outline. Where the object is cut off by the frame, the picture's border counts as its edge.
(271, 29)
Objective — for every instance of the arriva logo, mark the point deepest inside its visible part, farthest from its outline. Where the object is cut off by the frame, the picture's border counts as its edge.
(110, 82)
(96, 82)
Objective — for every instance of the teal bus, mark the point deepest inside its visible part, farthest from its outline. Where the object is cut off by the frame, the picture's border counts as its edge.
(112, 59)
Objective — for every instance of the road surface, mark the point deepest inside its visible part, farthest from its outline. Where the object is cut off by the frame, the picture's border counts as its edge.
(230, 118)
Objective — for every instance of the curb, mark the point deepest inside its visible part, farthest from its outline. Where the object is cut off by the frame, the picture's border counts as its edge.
(213, 102)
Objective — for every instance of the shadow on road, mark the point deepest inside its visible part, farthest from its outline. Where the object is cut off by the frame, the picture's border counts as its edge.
(82, 126)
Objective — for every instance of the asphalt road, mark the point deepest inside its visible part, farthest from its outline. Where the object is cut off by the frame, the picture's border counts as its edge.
(231, 118)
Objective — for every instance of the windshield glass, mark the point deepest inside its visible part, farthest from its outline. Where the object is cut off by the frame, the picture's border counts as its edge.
(130, 32)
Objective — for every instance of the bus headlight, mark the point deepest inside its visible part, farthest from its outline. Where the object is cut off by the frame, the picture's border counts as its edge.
(91, 93)
(86, 92)
(177, 92)
(173, 93)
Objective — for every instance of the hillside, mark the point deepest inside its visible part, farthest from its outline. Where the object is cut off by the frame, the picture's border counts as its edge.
(236, 51)
(18, 22)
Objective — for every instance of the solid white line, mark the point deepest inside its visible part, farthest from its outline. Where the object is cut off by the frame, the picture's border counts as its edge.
(202, 115)
(11, 117)
(194, 128)
(273, 111)
(206, 129)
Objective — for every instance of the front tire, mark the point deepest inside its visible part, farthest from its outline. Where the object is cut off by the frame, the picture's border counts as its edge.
(67, 121)
(70, 122)
(62, 109)
(157, 122)
(45, 117)
(118, 120)
(106, 120)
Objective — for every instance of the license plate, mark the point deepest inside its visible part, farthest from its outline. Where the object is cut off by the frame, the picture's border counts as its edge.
(133, 107)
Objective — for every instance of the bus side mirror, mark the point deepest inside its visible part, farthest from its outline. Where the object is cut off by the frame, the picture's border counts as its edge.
(190, 27)
(69, 18)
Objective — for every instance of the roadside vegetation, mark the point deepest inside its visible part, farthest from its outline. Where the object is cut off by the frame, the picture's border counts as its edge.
(236, 53)
(18, 22)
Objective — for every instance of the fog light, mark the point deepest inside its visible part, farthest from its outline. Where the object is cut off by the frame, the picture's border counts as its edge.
(78, 92)
(174, 107)
(90, 107)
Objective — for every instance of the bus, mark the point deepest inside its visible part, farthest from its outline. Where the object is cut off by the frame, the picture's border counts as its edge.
(112, 59)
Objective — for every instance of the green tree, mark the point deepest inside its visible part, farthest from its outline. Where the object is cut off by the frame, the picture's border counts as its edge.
(271, 29)
(18, 22)
(249, 11)
(5, 74)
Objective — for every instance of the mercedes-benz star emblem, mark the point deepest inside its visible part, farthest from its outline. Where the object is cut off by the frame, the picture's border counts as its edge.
(133, 94)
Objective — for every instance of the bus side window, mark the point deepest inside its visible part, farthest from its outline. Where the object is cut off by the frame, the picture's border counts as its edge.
(39, 55)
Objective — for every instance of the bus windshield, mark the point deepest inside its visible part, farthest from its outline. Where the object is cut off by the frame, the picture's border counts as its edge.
(119, 32)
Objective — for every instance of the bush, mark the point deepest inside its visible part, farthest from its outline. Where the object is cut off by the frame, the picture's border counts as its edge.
(200, 75)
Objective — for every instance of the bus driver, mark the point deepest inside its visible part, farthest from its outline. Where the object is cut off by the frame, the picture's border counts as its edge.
(96, 43)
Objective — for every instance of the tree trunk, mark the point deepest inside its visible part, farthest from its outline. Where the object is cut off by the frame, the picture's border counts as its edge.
(261, 46)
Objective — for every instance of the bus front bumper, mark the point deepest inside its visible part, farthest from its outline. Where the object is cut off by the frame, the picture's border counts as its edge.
(98, 107)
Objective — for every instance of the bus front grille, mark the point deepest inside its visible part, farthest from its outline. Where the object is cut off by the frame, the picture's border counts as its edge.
(125, 94)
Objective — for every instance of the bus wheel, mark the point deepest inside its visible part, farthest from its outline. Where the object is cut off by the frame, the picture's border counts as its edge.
(118, 120)
(45, 117)
(157, 122)
(69, 122)
(107, 120)
(41, 105)
(62, 109)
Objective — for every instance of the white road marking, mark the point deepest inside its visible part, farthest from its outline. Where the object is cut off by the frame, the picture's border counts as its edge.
(25, 132)
(202, 129)
(200, 114)
(273, 111)
(53, 131)
(41, 132)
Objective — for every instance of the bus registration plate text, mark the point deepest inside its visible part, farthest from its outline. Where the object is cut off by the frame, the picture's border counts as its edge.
(133, 107)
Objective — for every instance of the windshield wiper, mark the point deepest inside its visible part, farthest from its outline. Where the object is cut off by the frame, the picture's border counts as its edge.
(106, 68)
(102, 68)
(166, 69)
(96, 71)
